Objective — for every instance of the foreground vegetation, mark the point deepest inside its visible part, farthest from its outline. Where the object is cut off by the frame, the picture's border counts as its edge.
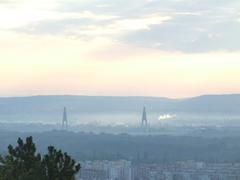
(23, 163)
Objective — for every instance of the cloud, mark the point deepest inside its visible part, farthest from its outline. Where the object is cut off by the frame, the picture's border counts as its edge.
(169, 25)
(119, 26)
(202, 31)
(103, 5)
(143, 23)
(9, 2)
(19, 17)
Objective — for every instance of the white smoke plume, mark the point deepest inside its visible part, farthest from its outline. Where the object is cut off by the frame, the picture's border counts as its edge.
(166, 117)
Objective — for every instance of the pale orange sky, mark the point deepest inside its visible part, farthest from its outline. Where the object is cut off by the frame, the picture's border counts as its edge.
(94, 61)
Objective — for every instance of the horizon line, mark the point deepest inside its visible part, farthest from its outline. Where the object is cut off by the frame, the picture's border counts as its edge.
(126, 96)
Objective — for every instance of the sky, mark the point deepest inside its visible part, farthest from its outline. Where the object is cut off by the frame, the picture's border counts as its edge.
(168, 48)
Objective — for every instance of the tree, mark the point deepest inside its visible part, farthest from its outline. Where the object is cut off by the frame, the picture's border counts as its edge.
(23, 163)
(59, 166)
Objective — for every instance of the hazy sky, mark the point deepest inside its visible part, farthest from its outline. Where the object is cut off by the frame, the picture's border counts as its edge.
(173, 48)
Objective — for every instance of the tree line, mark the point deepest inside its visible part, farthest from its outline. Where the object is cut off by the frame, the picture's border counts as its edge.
(24, 163)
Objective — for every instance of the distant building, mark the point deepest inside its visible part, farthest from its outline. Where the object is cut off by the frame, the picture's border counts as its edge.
(120, 170)
(186, 170)
(65, 120)
(106, 170)
(93, 174)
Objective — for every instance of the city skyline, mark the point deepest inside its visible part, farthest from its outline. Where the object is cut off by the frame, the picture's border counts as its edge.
(172, 48)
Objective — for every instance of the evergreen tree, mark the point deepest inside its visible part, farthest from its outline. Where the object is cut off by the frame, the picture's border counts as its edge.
(59, 166)
(23, 163)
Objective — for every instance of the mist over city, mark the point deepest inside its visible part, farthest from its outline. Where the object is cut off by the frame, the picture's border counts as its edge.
(119, 90)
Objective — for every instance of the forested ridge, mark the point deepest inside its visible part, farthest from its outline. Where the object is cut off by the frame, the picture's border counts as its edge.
(89, 146)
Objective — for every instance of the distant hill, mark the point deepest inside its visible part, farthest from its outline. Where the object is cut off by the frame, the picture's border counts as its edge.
(80, 103)
(52, 106)
(210, 103)
(206, 103)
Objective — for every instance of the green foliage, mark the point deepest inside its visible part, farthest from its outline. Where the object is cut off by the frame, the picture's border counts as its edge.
(23, 163)
(59, 166)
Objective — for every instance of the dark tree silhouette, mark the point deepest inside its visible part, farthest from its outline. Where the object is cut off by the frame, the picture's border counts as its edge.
(59, 166)
(23, 163)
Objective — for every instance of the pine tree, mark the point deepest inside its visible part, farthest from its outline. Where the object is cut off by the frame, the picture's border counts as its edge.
(23, 163)
(59, 166)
